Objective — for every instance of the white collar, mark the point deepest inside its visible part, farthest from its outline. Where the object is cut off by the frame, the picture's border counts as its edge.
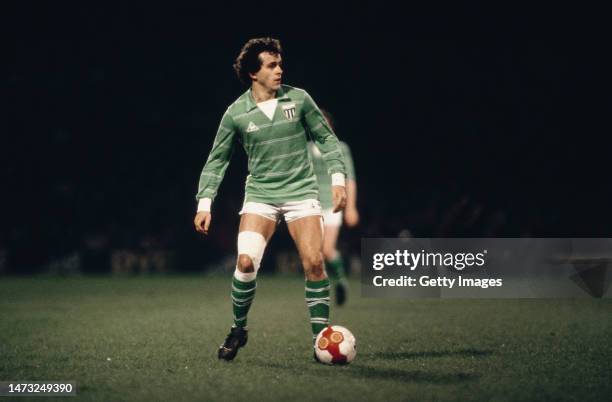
(268, 107)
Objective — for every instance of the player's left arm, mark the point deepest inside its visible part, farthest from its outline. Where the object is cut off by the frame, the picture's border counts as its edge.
(328, 144)
(351, 214)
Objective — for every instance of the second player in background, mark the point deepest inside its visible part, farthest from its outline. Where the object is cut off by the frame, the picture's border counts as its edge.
(333, 221)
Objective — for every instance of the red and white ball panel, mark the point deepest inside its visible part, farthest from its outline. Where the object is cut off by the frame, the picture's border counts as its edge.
(335, 345)
(324, 356)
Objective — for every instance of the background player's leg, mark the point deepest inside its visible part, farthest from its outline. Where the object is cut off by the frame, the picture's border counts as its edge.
(308, 236)
(334, 262)
(330, 238)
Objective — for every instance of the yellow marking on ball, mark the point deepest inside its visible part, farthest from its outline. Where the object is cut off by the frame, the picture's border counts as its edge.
(336, 337)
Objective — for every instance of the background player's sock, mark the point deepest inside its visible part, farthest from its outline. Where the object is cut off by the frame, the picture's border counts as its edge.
(243, 294)
(336, 269)
(317, 300)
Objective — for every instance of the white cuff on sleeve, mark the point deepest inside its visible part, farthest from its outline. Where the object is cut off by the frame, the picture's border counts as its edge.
(204, 204)
(338, 179)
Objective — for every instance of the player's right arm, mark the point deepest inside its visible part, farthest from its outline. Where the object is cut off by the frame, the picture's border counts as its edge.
(213, 172)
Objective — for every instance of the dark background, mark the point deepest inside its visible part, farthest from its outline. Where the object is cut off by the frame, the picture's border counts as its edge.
(111, 111)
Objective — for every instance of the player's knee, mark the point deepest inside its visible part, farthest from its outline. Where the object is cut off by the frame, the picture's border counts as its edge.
(314, 264)
(251, 246)
(317, 271)
(245, 264)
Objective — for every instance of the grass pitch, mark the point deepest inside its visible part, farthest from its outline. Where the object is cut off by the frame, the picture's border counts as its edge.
(156, 338)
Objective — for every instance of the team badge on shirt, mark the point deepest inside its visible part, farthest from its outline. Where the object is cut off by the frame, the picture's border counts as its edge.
(289, 111)
(252, 127)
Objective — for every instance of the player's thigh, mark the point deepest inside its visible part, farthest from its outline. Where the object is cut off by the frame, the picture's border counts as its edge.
(307, 233)
(258, 224)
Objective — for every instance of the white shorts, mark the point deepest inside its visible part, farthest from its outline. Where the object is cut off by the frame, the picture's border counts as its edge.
(331, 218)
(289, 210)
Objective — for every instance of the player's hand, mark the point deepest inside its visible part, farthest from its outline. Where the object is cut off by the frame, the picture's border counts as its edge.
(339, 198)
(351, 217)
(202, 222)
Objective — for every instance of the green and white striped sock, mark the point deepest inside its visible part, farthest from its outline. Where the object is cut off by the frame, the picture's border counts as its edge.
(243, 294)
(317, 300)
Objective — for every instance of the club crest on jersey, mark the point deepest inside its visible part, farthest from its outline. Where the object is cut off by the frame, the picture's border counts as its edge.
(252, 127)
(289, 111)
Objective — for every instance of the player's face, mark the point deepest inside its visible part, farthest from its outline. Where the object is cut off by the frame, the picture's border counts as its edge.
(270, 73)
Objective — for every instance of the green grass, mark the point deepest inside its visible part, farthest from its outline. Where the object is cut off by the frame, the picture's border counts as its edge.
(156, 339)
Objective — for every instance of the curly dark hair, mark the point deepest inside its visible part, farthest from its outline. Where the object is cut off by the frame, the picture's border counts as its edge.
(248, 60)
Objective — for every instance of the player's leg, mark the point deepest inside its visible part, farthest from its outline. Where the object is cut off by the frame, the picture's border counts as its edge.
(330, 239)
(255, 231)
(333, 259)
(307, 232)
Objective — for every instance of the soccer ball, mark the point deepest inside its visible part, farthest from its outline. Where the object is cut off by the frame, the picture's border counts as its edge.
(335, 345)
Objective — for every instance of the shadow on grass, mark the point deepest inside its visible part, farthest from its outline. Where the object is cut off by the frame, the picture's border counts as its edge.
(375, 373)
(428, 354)
(399, 375)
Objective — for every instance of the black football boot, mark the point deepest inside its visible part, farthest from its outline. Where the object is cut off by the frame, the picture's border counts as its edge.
(236, 339)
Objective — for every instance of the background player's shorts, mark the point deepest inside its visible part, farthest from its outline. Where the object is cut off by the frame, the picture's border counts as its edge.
(331, 218)
(289, 210)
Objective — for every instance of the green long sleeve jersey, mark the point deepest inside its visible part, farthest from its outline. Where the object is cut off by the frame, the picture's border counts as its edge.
(280, 169)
